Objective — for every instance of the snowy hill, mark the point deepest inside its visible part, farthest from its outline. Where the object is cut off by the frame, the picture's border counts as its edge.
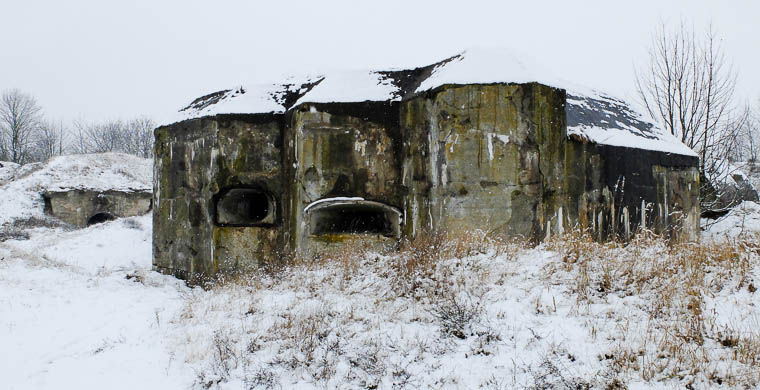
(23, 185)
(7, 170)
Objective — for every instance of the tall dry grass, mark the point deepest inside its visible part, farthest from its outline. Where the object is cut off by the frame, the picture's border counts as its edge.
(681, 339)
(677, 337)
(417, 267)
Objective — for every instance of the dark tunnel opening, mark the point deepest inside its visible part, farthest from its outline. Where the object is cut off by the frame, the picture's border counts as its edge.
(100, 218)
(351, 219)
(244, 206)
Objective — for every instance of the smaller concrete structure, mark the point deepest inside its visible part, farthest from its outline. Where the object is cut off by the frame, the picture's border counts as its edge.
(86, 207)
(84, 189)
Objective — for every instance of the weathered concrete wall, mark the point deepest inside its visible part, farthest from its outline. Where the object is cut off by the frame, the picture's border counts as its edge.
(198, 160)
(614, 191)
(484, 157)
(341, 150)
(77, 207)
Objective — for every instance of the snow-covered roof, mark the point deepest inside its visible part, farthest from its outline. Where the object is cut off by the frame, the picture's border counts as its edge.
(96, 172)
(605, 120)
(484, 66)
(349, 87)
(248, 99)
(591, 116)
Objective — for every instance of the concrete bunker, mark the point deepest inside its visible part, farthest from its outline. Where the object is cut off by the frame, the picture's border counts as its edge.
(244, 175)
(87, 207)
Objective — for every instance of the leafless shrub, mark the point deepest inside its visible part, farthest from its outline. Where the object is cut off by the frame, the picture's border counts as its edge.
(348, 256)
(11, 233)
(311, 342)
(18, 229)
(261, 378)
(403, 378)
(224, 358)
(496, 383)
(416, 267)
(487, 338)
(456, 315)
(416, 262)
(550, 374)
(370, 361)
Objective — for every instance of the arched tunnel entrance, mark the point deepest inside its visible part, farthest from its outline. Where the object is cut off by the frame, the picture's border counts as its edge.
(354, 216)
(100, 218)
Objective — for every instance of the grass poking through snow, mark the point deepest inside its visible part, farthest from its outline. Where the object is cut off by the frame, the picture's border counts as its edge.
(473, 311)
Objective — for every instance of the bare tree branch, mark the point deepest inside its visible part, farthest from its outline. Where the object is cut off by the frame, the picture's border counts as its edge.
(19, 120)
(133, 137)
(51, 140)
(688, 86)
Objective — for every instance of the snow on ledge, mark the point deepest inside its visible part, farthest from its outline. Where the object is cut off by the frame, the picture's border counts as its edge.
(332, 200)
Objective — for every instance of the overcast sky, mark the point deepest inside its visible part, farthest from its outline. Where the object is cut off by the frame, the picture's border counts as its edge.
(95, 59)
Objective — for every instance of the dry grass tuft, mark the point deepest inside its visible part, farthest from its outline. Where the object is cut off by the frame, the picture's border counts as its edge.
(417, 267)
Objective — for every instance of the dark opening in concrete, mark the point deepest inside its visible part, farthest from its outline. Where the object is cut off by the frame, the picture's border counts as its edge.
(354, 217)
(48, 205)
(100, 218)
(245, 206)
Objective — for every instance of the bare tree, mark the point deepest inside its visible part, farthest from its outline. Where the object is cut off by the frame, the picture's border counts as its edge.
(688, 85)
(51, 140)
(106, 136)
(752, 135)
(134, 137)
(19, 120)
(748, 145)
(139, 137)
(80, 144)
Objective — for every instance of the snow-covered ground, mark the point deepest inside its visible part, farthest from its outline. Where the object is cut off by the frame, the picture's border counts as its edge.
(7, 170)
(71, 320)
(81, 309)
(743, 219)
